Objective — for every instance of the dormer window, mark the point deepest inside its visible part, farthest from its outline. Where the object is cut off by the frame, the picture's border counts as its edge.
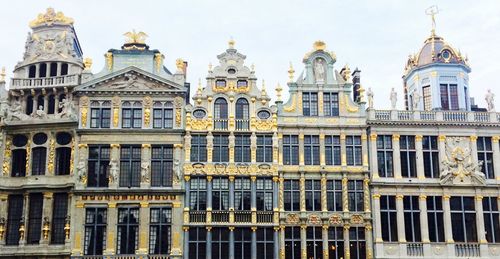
(231, 71)
(446, 55)
(242, 83)
(220, 83)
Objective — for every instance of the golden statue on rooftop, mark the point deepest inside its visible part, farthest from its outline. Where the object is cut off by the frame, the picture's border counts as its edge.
(50, 17)
(135, 37)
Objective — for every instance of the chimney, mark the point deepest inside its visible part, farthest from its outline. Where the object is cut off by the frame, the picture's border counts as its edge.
(184, 69)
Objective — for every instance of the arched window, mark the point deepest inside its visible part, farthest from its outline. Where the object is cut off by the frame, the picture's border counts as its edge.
(32, 71)
(39, 154)
(220, 108)
(43, 70)
(52, 104)
(29, 105)
(40, 103)
(53, 69)
(19, 156)
(64, 69)
(242, 109)
(63, 153)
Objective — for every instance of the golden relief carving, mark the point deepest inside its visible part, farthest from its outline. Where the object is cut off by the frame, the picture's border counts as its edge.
(135, 37)
(6, 157)
(178, 102)
(293, 105)
(345, 201)
(357, 219)
(72, 157)
(158, 61)
(28, 156)
(366, 192)
(109, 60)
(147, 102)
(292, 218)
(50, 17)
(345, 104)
(302, 194)
(116, 110)
(262, 125)
(52, 154)
(335, 219)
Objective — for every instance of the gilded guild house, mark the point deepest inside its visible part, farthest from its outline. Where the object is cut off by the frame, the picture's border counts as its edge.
(128, 162)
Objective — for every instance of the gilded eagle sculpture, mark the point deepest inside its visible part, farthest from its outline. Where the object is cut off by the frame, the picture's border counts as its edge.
(135, 37)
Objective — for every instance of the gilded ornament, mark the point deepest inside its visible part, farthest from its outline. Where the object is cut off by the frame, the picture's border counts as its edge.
(109, 60)
(293, 105)
(133, 37)
(6, 157)
(50, 17)
(158, 61)
(292, 218)
(87, 62)
(335, 219)
(356, 219)
(179, 63)
(28, 156)
(52, 154)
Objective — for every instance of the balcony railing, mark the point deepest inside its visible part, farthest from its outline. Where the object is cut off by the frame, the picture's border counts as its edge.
(434, 116)
(197, 216)
(22, 83)
(264, 217)
(121, 257)
(220, 124)
(467, 250)
(220, 216)
(242, 124)
(415, 249)
(243, 216)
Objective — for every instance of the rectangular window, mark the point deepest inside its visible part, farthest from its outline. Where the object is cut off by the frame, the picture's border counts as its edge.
(128, 231)
(335, 242)
(38, 157)
(291, 194)
(264, 195)
(95, 231)
(242, 194)
(412, 218)
(384, 156)
(388, 218)
(431, 156)
(221, 148)
(435, 218)
(331, 104)
(14, 217)
(35, 218)
(290, 150)
(18, 162)
(355, 195)
(332, 150)
(454, 97)
(132, 118)
(292, 243)
(242, 243)
(198, 148)
(357, 242)
(160, 228)
(197, 242)
(427, 97)
(408, 156)
(311, 150)
(353, 150)
(163, 118)
(98, 163)
(314, 242)
(334, 195)
(491, 219)
(100, 118)
(59, 214)
(242, 149)
(198, 194)
(162, 158)
(265, 243)
(313, 195)
(130, 166)
(463, 219)
(310, 104)
(220, 193)
(264, 148)
(63, 160)
(445, 104)
(485, 155)
(220, 243)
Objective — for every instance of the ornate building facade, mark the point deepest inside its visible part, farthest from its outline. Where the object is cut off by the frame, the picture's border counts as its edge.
(121, 164)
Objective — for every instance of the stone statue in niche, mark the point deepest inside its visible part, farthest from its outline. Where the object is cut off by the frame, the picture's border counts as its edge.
(145, 171)
(490, 100)
(458, 167)
(82, 172)
(113, 171)
(370, 98)
(416, 100)
(67, 109)
(177, 170)
(394, 98)
(319, 70)
(14, 112)
(40, 113)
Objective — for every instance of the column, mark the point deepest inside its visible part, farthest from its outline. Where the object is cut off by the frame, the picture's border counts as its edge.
(325, 241)
(303, 244)
(254, 243)
(496, 156)
(473, 147)
(396, 156)
(146, 172)
(231, 199)
(301, 148)
(419, 157)
(281, 193)
(177, 177)
(345, 195)
(276, 242)
(448, 233)
(369, 241)
(400, 218)
(209, 201)
(364, 150)
(37, 70)
(322, 160)
(324, 206)
(231, 242)
(4, 198)
(343, 157)
(442, 147)
(276, 215)
(112, 220)
(187, 198)
(23, 227)
(347, 251)
(253, 148)
(77, 234)
(209, 242)
(35, 103)
(282, 242)
(46, 102)
(186, 242)
(253, 199)
(46, 217)
(143, 228)
(481, 232)
(424, 223)
(376, 218)
(373, 157)
(114, 170)
(302, 192)
(59, 68)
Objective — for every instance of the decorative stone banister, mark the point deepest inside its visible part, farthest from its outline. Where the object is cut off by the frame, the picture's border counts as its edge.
(54, 81)
(433, 116)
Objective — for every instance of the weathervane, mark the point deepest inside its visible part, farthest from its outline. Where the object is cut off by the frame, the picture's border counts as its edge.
(432, 11)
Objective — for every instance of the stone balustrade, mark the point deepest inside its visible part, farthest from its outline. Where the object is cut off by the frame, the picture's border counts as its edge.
(433, 116)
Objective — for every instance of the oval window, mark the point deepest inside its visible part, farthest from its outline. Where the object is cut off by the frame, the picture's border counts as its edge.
(446, 54)
(264, 115)
(231, 71)
(63, 138)
(20, 140)
(40, 138)
(199, 113)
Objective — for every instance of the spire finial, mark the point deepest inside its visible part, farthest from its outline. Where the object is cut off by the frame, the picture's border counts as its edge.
(278, 92)
(432, 11)
(231, 43)
(290, 72)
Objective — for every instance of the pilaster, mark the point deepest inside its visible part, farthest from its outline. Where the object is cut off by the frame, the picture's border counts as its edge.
(373, 157)
(400, 218)
(112, 220)
(396, 156)
(419, 157)
(46, 217)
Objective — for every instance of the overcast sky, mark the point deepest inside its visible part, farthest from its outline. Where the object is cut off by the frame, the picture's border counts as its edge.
(375, 36)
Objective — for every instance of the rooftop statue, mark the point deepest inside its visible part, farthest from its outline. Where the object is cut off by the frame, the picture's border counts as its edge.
(370, 98)
(490, 100)
(416, 100)
(394, 99)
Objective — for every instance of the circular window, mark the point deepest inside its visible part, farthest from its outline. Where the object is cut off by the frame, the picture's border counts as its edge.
(264, 115)
(199, 113)
(63, 138)
(20, 140)
(446, 54)
(231, 71)
(40, 138)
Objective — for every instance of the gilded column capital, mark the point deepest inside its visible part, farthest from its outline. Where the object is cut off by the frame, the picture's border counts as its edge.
(442, 138)
(479, 197)
(144, 146)
(473, 138)
(376, 196)
(495, 139)
(446, 197)
(82, 145)
(422, 197)
(395, 137)
(178, 146)
(48, 195)
(115, 145)
(418, 138)
(399, 196)
(373, 136)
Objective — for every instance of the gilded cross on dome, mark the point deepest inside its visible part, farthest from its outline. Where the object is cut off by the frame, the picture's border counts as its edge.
(135, 37)
(432, 11)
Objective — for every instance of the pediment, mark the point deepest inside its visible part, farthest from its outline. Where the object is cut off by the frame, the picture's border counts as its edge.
(131, 79)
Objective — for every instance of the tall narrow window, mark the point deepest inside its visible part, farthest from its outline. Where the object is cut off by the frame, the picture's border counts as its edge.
(310, 104)
(388, 218)
(265, 243)
(454, 97)
(220, 243)
(35, 218)
(197, 242)
(426, 90)
(384, 156)
(63, 153)
(335, 243)
(314, 242)
(19, 143)
(491, 219)
(290, 150)
(292, 243)
(311, 150)
(52, 104)
(39, 154)
(95, 231)
(445, 104)
(130, 166)
(14, 217)
(242, 194)
(198, 194)
(98, 163)
(198, 148)
(313, 195)
(163, 115)
(220, 193)
(463, 219)
(40, 103)
(220, 114)
(242, 114)
(334, 195)
(264, 148)
(132, 115)
(162, 166)
(264, 195)
(408, 156)
(485, 155)
(332, 150)
(291, 195)
(431, 156)
(435, 218)
(412, 218)
(128, 230)
(100, 114)
(353, 150)
(59, 214)
(160, 229)
(29, 105)
(220, 151)
(242, 243)
(242, 149)
(357, 242)
(355, 194)
(331, 104)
